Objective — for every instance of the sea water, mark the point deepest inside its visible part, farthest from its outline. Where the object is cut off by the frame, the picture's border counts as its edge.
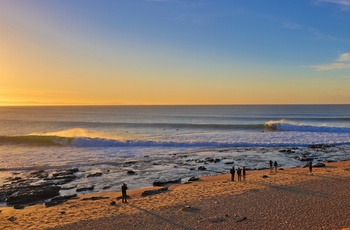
(165, 141)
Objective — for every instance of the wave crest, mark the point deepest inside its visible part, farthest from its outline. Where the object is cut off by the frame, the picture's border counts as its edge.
(284, 125)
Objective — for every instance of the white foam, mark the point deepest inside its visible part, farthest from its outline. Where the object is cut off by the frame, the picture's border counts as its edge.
(284, 125)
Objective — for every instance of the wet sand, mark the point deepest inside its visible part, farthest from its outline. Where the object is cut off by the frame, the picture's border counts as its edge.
(288, 199)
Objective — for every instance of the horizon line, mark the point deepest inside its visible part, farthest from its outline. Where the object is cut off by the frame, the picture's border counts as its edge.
(96, 105)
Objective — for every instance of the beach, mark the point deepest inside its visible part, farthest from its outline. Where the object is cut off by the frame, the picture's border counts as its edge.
(292, 198)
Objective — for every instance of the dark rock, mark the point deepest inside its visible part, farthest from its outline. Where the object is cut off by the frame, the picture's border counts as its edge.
(95, 174)
(12, 218)
(131, 172)
(39, 174)
(96, 198)
(165, 181)
(265, 176)
(68, 187)
(106, 187)
(131, 162)
(113, 203)
(18, 206)
(33, 194)
(202, 168)
(229, 163)
(61, 177)
(329, 161)
(318, 165)
(193, 178)
(14, 179)
(320, 146)
(209, 159)
(73, 170)
(286, 151)
(85, 188)
(303, 158)
(59, 200)
(154, 192)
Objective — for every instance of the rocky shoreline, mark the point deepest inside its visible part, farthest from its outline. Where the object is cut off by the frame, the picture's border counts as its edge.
(50, 187)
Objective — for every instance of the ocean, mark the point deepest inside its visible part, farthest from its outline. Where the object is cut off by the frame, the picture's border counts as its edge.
(166, 142)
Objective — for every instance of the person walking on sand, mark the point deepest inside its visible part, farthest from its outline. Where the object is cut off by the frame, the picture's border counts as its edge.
(232, 171)
(243, 171)
(310, 167)
(270, 162)
(275, 164)
(124, 188)
(239, 175)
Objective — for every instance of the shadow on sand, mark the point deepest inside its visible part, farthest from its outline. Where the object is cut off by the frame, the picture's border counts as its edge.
(160, 217)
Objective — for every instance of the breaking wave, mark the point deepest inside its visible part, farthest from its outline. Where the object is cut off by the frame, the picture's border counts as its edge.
(284, 125)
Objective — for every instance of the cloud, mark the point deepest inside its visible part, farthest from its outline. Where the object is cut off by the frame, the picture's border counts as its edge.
(344, 4)
(332, 66)
(340, 64)
(291, 26)
(345, 57)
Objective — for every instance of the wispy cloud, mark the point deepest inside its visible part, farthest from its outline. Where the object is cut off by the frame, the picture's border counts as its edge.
(343, 4)
(345, 57)
(291, 26)
(343, 62)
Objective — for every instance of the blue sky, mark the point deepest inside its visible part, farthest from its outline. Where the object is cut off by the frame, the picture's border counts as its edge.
(175, 52)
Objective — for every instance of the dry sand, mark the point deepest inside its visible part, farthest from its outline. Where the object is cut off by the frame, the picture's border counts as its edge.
(288, 199)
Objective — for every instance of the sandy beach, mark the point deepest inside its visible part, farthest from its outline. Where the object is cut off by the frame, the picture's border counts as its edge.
(288, 199)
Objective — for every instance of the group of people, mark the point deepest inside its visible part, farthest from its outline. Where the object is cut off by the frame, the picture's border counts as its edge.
(239, 173)
(273, 164)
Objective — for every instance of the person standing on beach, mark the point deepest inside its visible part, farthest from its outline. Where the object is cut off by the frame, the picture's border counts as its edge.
(270, 162)
(275, 164)
(124, 188)
(310, 167)
(239, 174)
(232, 171)
(243, 170)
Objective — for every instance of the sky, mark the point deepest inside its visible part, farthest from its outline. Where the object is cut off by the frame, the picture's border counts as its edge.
(156, 52)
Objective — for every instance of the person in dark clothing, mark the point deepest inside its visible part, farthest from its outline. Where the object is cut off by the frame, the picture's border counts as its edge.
(239, 175)
(310, 167)
(232, 171)
(275, 164)
(124, 188)
(270, 162)
(243, 171)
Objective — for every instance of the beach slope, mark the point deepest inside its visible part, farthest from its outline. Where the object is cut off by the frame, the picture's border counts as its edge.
(288, 199)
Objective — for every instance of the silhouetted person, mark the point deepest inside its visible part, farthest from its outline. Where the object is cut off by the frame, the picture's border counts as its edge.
(232, 171)
(124, 188)
(275, 164)
(239, 175)
(310, 167)
(243, 171)
(270, 162)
